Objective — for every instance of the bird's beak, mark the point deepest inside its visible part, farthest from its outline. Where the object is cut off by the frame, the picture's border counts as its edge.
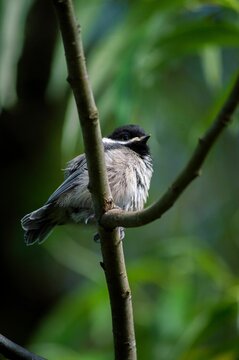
(144, 139)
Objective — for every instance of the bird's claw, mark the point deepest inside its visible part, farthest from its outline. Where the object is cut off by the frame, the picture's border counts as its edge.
(97, 238)
(121, 235)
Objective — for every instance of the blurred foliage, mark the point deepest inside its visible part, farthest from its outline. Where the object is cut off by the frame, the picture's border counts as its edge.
(168, 66)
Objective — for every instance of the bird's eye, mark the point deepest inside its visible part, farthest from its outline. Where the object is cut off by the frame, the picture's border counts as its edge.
(125, 137)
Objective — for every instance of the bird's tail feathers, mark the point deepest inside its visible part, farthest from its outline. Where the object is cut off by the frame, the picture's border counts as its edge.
(38, 224)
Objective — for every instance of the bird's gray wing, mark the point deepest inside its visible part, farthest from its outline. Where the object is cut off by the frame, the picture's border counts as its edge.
(67, 185)
(72, 173)
(79, 162)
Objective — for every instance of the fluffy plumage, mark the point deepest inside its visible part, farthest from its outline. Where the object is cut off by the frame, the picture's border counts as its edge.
(129, 169)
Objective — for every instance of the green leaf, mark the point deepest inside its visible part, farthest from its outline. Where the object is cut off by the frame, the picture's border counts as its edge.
(13, 15)
(211, 58)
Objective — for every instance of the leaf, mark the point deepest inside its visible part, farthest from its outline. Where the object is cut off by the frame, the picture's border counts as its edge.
(211, 58)
(192, 37)
(13, 15)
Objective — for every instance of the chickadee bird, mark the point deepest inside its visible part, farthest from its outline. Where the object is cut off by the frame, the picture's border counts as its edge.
(129, 169)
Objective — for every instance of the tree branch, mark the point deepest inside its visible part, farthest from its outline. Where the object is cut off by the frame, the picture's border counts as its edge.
(88, 113)
(115, 217)
(13, 351)
(111, 246)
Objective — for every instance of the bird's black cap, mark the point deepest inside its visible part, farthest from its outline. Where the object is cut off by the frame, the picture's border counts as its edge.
(128, 132)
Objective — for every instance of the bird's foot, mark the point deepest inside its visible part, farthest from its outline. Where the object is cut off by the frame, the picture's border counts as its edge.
(97, 238)
(121, 235)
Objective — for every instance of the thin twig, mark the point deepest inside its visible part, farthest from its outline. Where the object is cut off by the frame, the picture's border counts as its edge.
(13, 351)
(111, 246)
(115, 217)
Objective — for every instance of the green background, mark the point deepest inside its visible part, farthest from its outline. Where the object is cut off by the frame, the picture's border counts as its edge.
(167, 66)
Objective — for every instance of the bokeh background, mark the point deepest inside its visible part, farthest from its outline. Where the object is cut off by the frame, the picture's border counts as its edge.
(167, 66)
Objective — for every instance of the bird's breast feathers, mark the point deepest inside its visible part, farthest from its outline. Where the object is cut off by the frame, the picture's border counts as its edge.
(129, 178)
